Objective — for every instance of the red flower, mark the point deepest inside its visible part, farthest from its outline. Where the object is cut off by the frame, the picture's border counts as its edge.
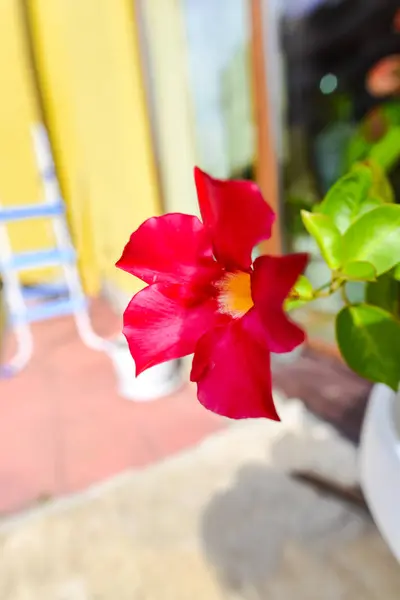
(206, 296)
(396, 21)
(384, 77)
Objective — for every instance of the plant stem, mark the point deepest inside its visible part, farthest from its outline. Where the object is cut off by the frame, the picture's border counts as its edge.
(344, 295)
(326, 290)
(332, 286)
(323, 287)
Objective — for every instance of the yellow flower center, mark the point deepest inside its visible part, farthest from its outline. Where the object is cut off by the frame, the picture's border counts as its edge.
(235, 294)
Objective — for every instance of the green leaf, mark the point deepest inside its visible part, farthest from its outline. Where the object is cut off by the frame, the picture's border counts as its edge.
(344, 200)
(327, 236)
(375, 238)
(358, 271)
(358, 148)
(396, 272)
(369, 341)
(381, 187)
(386, 152)
(303, 288)
(301, 294)
(369, 204)
(290, 304)
(384, 292)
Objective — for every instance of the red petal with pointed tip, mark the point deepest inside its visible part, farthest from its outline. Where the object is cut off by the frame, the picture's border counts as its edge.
(174, 248)
(237, 217)
(160, 327)
(271, 282)
(233, 373)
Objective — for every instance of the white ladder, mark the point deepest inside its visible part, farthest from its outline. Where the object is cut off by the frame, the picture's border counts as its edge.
(25, 305)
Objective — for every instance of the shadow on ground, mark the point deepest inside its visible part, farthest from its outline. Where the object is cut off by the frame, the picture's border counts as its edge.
(248, 529)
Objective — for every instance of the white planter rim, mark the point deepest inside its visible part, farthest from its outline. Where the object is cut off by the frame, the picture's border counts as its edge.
(380, 463)
(155, 383)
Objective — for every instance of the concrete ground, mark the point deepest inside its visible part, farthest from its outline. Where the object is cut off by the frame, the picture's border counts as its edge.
(221, 521)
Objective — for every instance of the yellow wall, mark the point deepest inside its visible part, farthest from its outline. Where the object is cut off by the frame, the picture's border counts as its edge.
(173, 111)
(90, 77)
(19, 182)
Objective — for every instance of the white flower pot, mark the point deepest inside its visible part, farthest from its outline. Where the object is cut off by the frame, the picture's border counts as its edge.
(380, 463)
(156, 382)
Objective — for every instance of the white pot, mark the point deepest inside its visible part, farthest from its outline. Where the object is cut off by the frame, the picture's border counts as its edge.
(380, 463)
(156, 382)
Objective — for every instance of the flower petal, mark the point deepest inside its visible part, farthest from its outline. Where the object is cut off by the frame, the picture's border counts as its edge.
(174, 248)
(237, 217)
(160, 327)
(233, 373)
(272, 280)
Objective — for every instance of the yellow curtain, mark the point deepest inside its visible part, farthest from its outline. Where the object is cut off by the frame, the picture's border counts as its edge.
(173, 112)
(19, 181)
(91, 82)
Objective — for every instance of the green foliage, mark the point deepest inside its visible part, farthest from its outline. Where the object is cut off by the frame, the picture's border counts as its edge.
(375, 238)
(386, 151)
(357, 222)
(381, 187)
(344, 200)
(358, 271)
(384, 292)
(383, 147)
(303, 288)
(357, 229)
(364, 188)
(396, 272)
(301, 294)
(326, 234)
(369, 341)
(358, 148)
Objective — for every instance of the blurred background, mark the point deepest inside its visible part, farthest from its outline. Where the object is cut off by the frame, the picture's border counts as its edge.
(105, 107)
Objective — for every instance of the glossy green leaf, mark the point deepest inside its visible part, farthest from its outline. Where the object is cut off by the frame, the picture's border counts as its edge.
(327, 236)
(358, 271)
(301, 294)
(381, 187)
(384, 292)
(303, 288)
(291, 304)
(396, 272)
(375, 238)
(369, 341)
(358, 148)
(386, 152)
(344, 200)
(369, 204)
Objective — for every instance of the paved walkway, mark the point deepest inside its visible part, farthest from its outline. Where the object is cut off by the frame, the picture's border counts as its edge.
(63, 426)
(219, 519)
(222, 521)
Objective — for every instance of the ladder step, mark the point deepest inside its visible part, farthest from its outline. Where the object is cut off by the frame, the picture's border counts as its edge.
(40, 258)
(49, 310)
(34, 211)
(44, 290)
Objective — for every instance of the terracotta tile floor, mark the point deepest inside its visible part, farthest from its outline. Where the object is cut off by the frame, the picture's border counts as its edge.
(63, 426)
